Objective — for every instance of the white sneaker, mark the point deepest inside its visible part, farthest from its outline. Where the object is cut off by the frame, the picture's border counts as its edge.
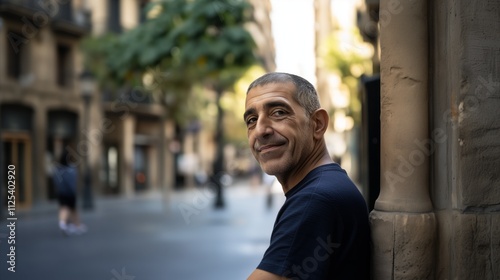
(64, 228)
(77, 230)
(81, 229)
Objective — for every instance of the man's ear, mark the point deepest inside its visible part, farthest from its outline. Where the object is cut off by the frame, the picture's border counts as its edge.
(320, 121)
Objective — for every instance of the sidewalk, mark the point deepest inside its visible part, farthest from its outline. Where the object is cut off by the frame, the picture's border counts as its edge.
(146, 238)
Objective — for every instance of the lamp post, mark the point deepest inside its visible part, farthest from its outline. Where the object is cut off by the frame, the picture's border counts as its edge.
(87, 84)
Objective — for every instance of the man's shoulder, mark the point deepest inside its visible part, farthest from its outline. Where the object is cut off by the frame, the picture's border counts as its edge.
(327, 179)
(330, 185)
(328, 173)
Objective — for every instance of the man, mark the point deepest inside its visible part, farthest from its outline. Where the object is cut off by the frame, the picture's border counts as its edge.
(321, 231)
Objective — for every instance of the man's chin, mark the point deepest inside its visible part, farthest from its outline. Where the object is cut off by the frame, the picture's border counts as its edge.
(273, 166)
(270, 169)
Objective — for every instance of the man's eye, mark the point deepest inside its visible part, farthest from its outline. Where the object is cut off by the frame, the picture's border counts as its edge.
(250, 121)
(279, 113)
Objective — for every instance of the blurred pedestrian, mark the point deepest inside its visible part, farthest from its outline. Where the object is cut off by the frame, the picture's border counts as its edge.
(268, 182)
(322, 230)
(65, 181)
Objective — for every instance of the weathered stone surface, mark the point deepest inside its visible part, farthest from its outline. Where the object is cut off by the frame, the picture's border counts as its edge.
(404, 106)
(444, 243)
(478, 102)
(476, 246)
(403, 245)
(495, 245)
(382, 227)
(414, 246)
(464, 160)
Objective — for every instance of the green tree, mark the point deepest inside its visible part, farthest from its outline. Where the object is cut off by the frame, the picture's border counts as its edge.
(349, 59)
(184, 43)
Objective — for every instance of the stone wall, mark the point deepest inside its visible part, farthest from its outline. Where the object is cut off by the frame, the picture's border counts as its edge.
(465, 179)
(454, 47)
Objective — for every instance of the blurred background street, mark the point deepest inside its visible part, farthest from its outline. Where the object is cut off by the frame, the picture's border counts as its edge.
(147, 97)
(146, 238)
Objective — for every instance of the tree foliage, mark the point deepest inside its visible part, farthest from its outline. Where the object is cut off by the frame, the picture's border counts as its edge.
(183, 43)
(206, 35)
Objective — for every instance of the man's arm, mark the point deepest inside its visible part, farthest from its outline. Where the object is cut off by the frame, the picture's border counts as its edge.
(260, 274)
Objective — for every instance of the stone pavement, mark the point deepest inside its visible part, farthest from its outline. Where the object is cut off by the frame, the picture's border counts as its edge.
(145, 238)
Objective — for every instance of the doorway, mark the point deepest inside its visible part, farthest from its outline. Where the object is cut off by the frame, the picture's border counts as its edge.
(16, 153)
(141, 168)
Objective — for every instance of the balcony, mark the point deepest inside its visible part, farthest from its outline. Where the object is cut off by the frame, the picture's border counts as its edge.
(61, 17)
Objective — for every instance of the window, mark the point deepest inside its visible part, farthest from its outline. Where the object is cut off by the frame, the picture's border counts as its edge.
(64, 66)
(17, 55)
(114, 24)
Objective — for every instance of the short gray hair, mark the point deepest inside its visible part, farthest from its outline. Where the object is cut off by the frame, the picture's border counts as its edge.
(304, 94)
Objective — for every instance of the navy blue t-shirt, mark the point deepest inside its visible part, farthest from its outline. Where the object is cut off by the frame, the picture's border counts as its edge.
(322, 230)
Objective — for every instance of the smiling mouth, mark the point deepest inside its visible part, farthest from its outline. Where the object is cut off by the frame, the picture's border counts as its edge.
(267, 148)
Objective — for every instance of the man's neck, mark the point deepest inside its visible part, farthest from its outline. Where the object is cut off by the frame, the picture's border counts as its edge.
(289, 182)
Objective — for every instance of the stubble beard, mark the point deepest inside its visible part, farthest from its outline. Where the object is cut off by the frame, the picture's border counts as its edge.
(276, 167)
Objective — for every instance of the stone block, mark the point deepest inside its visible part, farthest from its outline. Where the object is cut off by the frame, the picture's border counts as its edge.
(444, 243)
(382, 228)
(414, 243)
(475, 246)
(403, 245)
(495, 245)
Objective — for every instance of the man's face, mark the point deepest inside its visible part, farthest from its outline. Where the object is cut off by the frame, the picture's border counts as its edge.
(279, 131)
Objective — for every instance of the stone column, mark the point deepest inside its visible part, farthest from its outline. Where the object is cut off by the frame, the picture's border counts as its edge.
(39, 149)
(403, 224)
(167, 178)
(127, 152)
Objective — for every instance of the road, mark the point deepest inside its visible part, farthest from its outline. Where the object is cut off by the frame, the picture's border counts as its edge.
(146, 238)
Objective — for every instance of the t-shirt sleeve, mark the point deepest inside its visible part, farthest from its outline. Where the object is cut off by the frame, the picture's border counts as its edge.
(302, 243)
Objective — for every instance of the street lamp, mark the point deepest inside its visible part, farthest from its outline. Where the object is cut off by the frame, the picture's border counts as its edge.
(88, 85)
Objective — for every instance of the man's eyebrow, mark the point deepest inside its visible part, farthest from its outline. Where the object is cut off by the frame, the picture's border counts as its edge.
(273, 104)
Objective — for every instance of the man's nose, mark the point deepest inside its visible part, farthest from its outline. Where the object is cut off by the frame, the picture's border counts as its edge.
(263, 127)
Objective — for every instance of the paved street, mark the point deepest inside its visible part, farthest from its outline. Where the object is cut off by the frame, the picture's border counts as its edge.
(145, 238)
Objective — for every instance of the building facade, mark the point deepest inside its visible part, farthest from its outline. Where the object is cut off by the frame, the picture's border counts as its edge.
(41, 109)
